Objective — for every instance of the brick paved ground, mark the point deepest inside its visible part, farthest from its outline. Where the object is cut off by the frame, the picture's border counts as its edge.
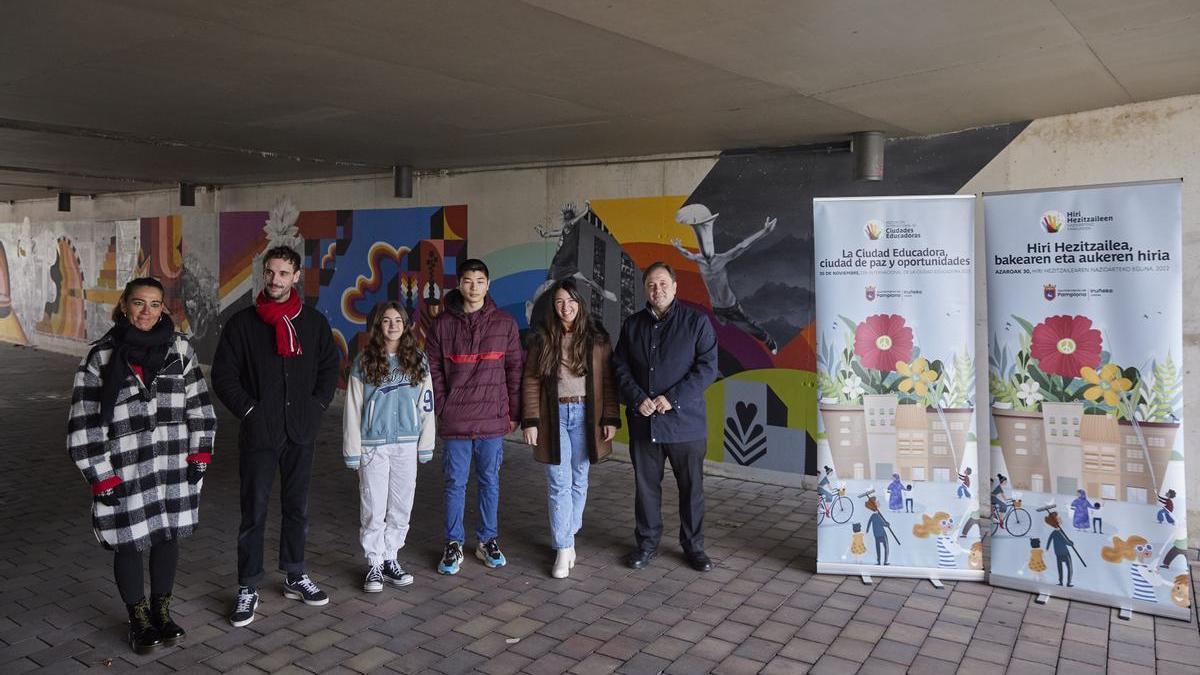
(762, 610)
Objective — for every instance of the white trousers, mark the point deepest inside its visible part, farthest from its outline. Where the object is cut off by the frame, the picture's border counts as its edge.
(387, 482)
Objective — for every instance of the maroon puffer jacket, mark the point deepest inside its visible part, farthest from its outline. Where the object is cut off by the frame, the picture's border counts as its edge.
(475, 361)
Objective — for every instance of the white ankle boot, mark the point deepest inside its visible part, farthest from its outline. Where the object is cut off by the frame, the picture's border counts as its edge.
(563, 563)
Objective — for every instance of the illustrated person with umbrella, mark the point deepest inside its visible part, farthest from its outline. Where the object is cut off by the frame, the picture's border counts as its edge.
(1060, 544)
(879, 526)
(895, 494)
(1168, 507)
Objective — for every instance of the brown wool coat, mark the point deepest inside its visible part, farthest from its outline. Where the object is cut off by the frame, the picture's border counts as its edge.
(539, 404)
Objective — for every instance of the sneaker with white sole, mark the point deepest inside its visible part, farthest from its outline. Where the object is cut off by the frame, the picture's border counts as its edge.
(395, 575)
(451, 559)
(489, 552)
(305, 590)
(243, 607)
(374, 581)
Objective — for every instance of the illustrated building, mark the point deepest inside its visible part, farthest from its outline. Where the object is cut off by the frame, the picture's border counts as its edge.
(1024, 449)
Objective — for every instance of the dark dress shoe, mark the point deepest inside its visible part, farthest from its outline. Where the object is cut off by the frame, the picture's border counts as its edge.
(699, 561)
(640, 558)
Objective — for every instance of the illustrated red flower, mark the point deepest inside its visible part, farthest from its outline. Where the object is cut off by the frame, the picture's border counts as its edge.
(882, 340)
(1064, 345)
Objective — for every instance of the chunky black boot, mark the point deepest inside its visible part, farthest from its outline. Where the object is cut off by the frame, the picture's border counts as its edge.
(160, 614)
(143, 636)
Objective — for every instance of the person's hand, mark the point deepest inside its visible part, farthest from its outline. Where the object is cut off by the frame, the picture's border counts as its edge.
(661, 404)
(531, 436)
(196, 471)
(512, 426)
(647, 408)
(770, 224)
(353, 463)
(609, 432)
(108, 497)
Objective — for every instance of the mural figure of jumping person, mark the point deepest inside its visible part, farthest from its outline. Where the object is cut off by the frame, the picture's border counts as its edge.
(713, 266)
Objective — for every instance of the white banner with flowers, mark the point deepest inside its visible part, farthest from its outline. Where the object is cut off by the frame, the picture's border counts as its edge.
(1085, 338)
(896, 449)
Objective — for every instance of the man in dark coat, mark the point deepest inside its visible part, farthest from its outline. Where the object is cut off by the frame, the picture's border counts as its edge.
(475, 361)
(276, 368)
(665, 359)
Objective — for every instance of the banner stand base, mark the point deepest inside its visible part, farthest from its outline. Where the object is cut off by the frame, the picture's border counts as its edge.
(866, 579)
(1042, 598)
(884, 571)
(937, 583)
(1125, 613)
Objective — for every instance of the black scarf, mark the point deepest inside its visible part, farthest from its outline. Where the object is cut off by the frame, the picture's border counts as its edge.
(131, 345)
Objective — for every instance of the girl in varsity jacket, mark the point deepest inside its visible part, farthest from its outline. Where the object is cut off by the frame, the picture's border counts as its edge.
(389, 427)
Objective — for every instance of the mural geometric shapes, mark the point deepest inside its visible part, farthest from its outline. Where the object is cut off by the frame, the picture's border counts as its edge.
(161, 256)
(106, 291)
(327, 259)
(380, 253)
(454, 223)
(65, 315)
(10, 326)
(240, 239)
(745, 439)
(318, 224)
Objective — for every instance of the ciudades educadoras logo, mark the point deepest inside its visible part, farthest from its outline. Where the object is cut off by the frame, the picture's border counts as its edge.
(873, 230)
(1052, 221)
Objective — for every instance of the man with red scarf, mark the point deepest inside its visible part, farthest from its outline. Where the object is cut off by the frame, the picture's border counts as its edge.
(276, 368)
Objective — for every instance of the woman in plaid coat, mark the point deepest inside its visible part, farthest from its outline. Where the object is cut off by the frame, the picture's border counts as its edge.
(141, 431)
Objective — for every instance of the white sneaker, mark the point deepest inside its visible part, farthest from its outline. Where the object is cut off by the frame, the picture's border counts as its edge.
(374, 581)
(563, 563)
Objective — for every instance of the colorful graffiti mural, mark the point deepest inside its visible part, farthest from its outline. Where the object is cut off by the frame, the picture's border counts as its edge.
(351, 260)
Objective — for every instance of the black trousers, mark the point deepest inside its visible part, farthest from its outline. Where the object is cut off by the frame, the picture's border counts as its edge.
(258, 466)
(687, 462)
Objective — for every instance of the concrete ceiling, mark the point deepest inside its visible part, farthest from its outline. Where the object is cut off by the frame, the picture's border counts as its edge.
(130, 94)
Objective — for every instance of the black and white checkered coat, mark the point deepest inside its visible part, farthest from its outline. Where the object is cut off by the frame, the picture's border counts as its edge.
(143, 453)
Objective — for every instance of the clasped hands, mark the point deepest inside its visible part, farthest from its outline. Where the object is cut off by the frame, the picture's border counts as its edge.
(658, 404)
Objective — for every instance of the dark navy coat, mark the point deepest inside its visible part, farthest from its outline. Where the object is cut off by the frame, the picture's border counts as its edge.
(673, 356)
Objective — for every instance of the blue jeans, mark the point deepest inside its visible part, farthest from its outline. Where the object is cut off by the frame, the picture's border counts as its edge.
(488, 453)
(568, 480)
(963, 491)
(1164, 513)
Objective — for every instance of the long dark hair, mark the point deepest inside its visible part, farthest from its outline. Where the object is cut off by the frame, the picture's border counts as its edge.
(118, 312)
(586, 335)
(374, 355)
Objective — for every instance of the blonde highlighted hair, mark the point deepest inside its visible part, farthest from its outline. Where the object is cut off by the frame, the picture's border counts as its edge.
(930, 526)
(1122, 549)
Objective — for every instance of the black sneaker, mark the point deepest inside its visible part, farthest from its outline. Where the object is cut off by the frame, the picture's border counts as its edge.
(395, 574)
(451, 559)
(374, 581)
(243, 607)
(305, 590)
(489, 552)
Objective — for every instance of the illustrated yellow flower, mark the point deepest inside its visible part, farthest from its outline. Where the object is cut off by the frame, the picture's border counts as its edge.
(1107, 383)
(917, 376)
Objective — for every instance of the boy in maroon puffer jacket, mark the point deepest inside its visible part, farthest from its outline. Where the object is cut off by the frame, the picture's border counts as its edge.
(475, 360)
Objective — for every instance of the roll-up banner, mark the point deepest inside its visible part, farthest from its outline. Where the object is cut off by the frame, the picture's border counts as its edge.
(896, 448)
(1086, 383)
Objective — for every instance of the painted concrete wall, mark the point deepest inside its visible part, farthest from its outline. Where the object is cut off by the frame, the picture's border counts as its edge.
(636, 202)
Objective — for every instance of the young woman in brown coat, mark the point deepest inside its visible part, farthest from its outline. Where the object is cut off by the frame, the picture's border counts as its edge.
(571, 413)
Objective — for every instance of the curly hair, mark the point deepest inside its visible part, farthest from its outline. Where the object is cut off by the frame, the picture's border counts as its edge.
(374, 359)
(1122, 549)
(586, 335)
(930, 525)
